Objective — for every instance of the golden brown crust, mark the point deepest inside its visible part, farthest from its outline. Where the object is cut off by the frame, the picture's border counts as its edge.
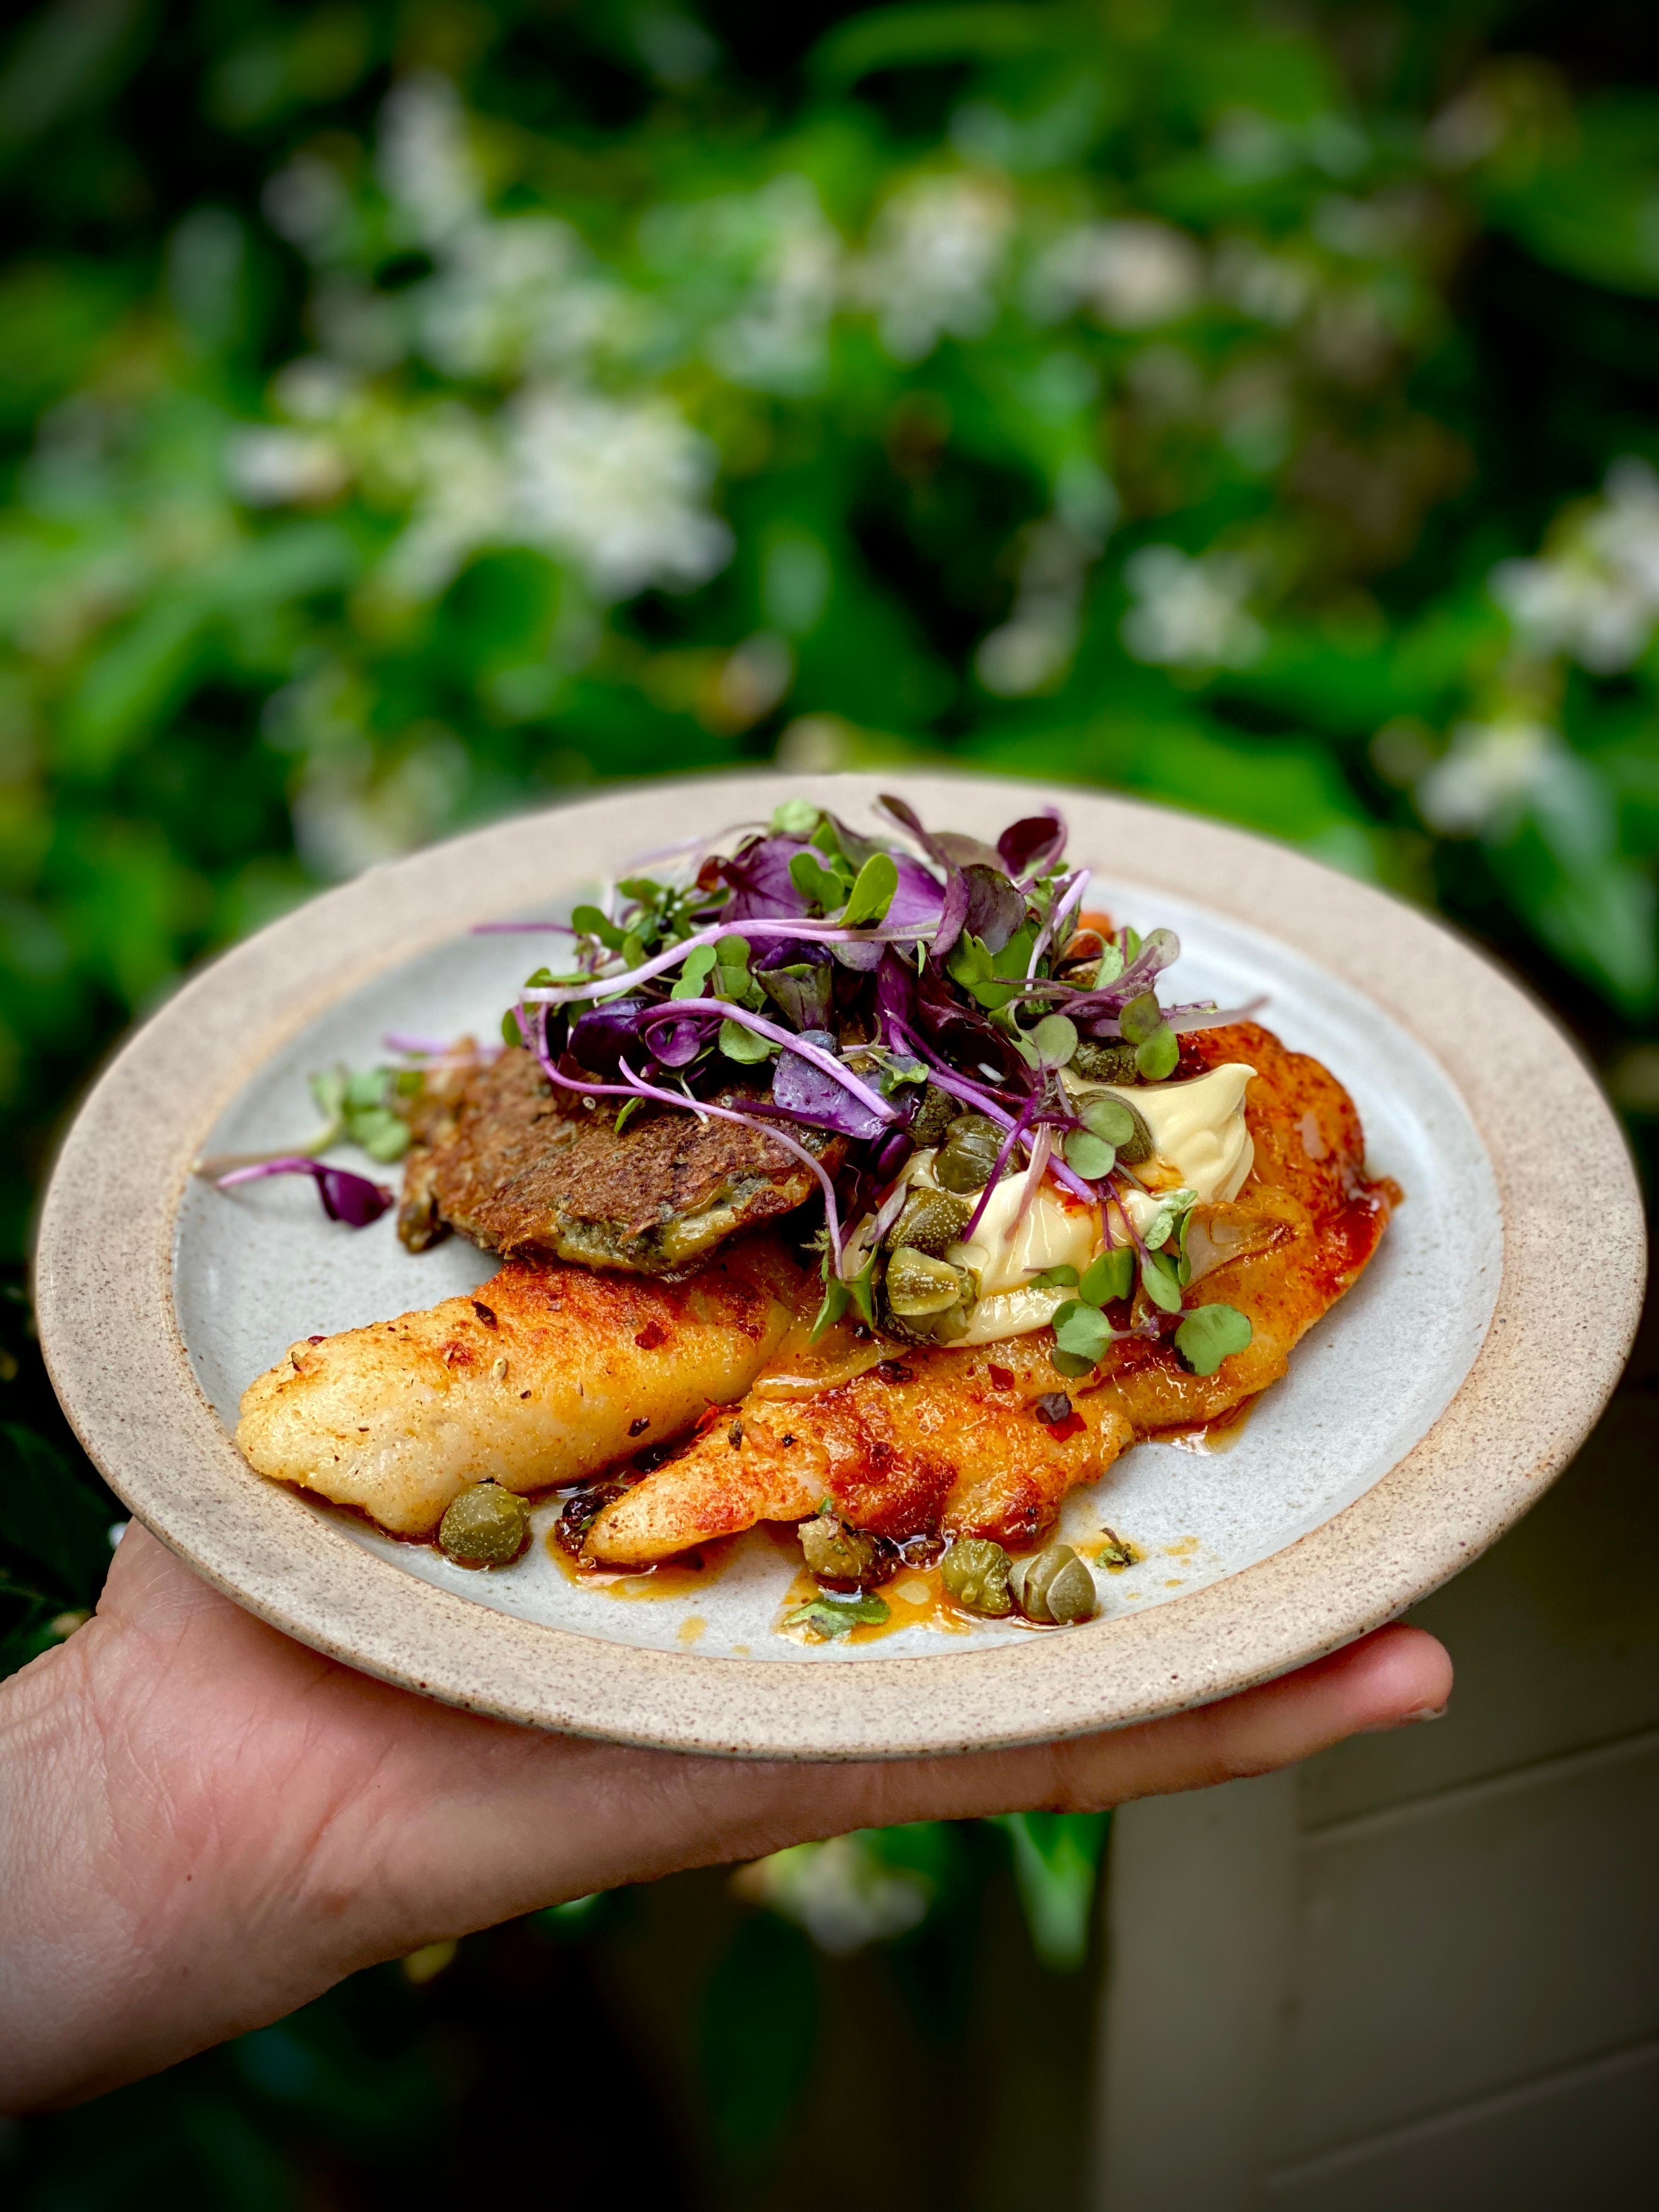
(500, 1156)
(950, 1440)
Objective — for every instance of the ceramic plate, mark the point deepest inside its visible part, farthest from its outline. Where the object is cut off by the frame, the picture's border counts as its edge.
(1420, 1419)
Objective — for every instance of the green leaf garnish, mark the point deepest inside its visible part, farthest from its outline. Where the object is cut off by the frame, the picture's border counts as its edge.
(817, 884)
(1089, 1156)
(992, 979)
(591, 923)
(862, 1291)
(825, 1619)
(1082, 1330)
(1157, 1055)
(1209, 1334)
(1140, 1017)
(626, 1112)
(796, 817)
(871, 894)
(511, 1033)
(700, 964)
(1055, 1278)
(836, 1298)
(1161, 1281)
(1053, 1039)
(1112, 1275)
(1109, 1119)
(744, 1046)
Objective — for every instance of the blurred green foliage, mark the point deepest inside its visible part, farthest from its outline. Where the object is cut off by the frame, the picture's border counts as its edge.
(412, 411)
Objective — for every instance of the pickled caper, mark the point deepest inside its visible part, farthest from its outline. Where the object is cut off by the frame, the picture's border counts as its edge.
(976, 1574)
(967, 1159)
(932, 1220)
(1105, 1063)
(845, 1557)
(1055, 1586)
(485, 1526)
(920, 1286)
(934, 1115)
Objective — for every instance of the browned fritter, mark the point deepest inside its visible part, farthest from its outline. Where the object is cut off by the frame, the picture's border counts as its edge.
(520, 1168)
(953, 1442)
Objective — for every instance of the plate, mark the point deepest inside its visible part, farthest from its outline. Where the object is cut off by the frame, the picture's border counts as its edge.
(1420, 1419)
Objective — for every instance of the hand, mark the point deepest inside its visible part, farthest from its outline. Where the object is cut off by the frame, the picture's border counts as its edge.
(206, 1824)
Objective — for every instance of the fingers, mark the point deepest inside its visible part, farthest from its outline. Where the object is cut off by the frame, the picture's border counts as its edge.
(1391, 1677)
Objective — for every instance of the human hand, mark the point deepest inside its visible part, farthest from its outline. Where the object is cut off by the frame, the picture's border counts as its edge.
(206, 1824)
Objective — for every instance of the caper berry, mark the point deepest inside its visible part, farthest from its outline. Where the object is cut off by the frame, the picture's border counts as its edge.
(976, 1574)
(932, 1220)
(920, 1286)
(843, 1557)
(934, 1115)
(1105, 1063)
(966, 1159)
(485, 1526)
(1054, 1588)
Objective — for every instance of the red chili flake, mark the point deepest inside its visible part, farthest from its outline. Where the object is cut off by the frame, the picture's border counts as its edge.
(313, 1339)
(638, 1428)
(484, 1313)
(1002, 1377)
(1054, 1410)
(651, 1336)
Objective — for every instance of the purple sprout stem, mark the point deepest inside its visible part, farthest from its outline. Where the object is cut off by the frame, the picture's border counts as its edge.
(813, 933)
(788, 1041)
(1003, 1157)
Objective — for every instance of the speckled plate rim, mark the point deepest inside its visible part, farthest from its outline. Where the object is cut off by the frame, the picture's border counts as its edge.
(1564, 1318)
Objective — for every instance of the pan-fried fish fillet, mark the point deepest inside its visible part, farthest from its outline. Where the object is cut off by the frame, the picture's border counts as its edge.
(545, 1376)
(949, 1441)
(521, 1170)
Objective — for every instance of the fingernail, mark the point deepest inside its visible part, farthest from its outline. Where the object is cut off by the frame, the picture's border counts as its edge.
(1423, 1713)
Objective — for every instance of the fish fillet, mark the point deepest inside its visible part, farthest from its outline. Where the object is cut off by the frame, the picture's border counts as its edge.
(953, 1442)
(545, 1376)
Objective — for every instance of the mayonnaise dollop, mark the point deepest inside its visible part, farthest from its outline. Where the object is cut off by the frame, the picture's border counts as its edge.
(1198, 1136)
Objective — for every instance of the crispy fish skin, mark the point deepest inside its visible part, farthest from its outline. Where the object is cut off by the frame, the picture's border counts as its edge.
(950, 1440)
(546, 1374)
(519, 1170)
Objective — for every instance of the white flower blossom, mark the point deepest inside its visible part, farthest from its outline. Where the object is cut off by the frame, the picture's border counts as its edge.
(936, 251)
(508, 295)
(463, 499)
(776, 340)
(1132, 275)
(270, 465)
(840, 1892)
(617, 486)
(1190, 613)
(1494, 772)
(1595, 595)
(424, 162)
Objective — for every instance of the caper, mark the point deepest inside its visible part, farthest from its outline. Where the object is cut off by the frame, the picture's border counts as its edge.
(934, 1115)
(1055, 1586)
(919, 1287)
(485, 1526)
(969, 1154)
(1105, 1063)
(844, 1557)
(932, 1221)
(976, 1574)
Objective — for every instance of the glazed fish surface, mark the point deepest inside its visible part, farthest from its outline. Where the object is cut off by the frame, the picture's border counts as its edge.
(986, 1442)
(546, 1374)
(521, 1169)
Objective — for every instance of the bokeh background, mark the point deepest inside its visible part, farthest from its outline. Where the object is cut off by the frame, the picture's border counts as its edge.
(413, 412)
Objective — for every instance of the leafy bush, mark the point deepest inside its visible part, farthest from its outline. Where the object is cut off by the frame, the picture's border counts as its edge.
(410, 413)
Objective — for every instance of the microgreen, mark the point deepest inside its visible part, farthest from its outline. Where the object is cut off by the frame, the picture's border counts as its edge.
(826, 1619)
(1160, 1281)
(1110, 1275)
(1209, 1335)
(992, 979)
(701, 962)
(796, 817)
(1109, 1119)
(821, 887)
(1089, 1156)
(872, 893)
(1056, 1279)
(355, 1108)
(1082, 1330)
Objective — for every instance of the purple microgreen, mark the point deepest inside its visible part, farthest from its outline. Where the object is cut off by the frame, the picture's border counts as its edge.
(802, 1087)
(969, 851)
(1068, 897)
(995, 908)
(1029, 848)
(347, 1198)
(836, 1069)
(1005, 1153)
(605, 987)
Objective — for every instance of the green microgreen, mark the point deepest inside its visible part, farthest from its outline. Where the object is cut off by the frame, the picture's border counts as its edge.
(1110, 1275)
(1160, 1281)
(1157, 1055)
(355, 1108)
(1055, 1278)
(699, 964)
(826, 1619)
(823, 887)
(837, 1296)
(1082, 1330)
(1089, 1156)
(872, 893)
(992, 979)
(1109, 1119)
(746, 1045)
(511, 1033)
(1209, 1334)
(796, 817)
(1051, 1043)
